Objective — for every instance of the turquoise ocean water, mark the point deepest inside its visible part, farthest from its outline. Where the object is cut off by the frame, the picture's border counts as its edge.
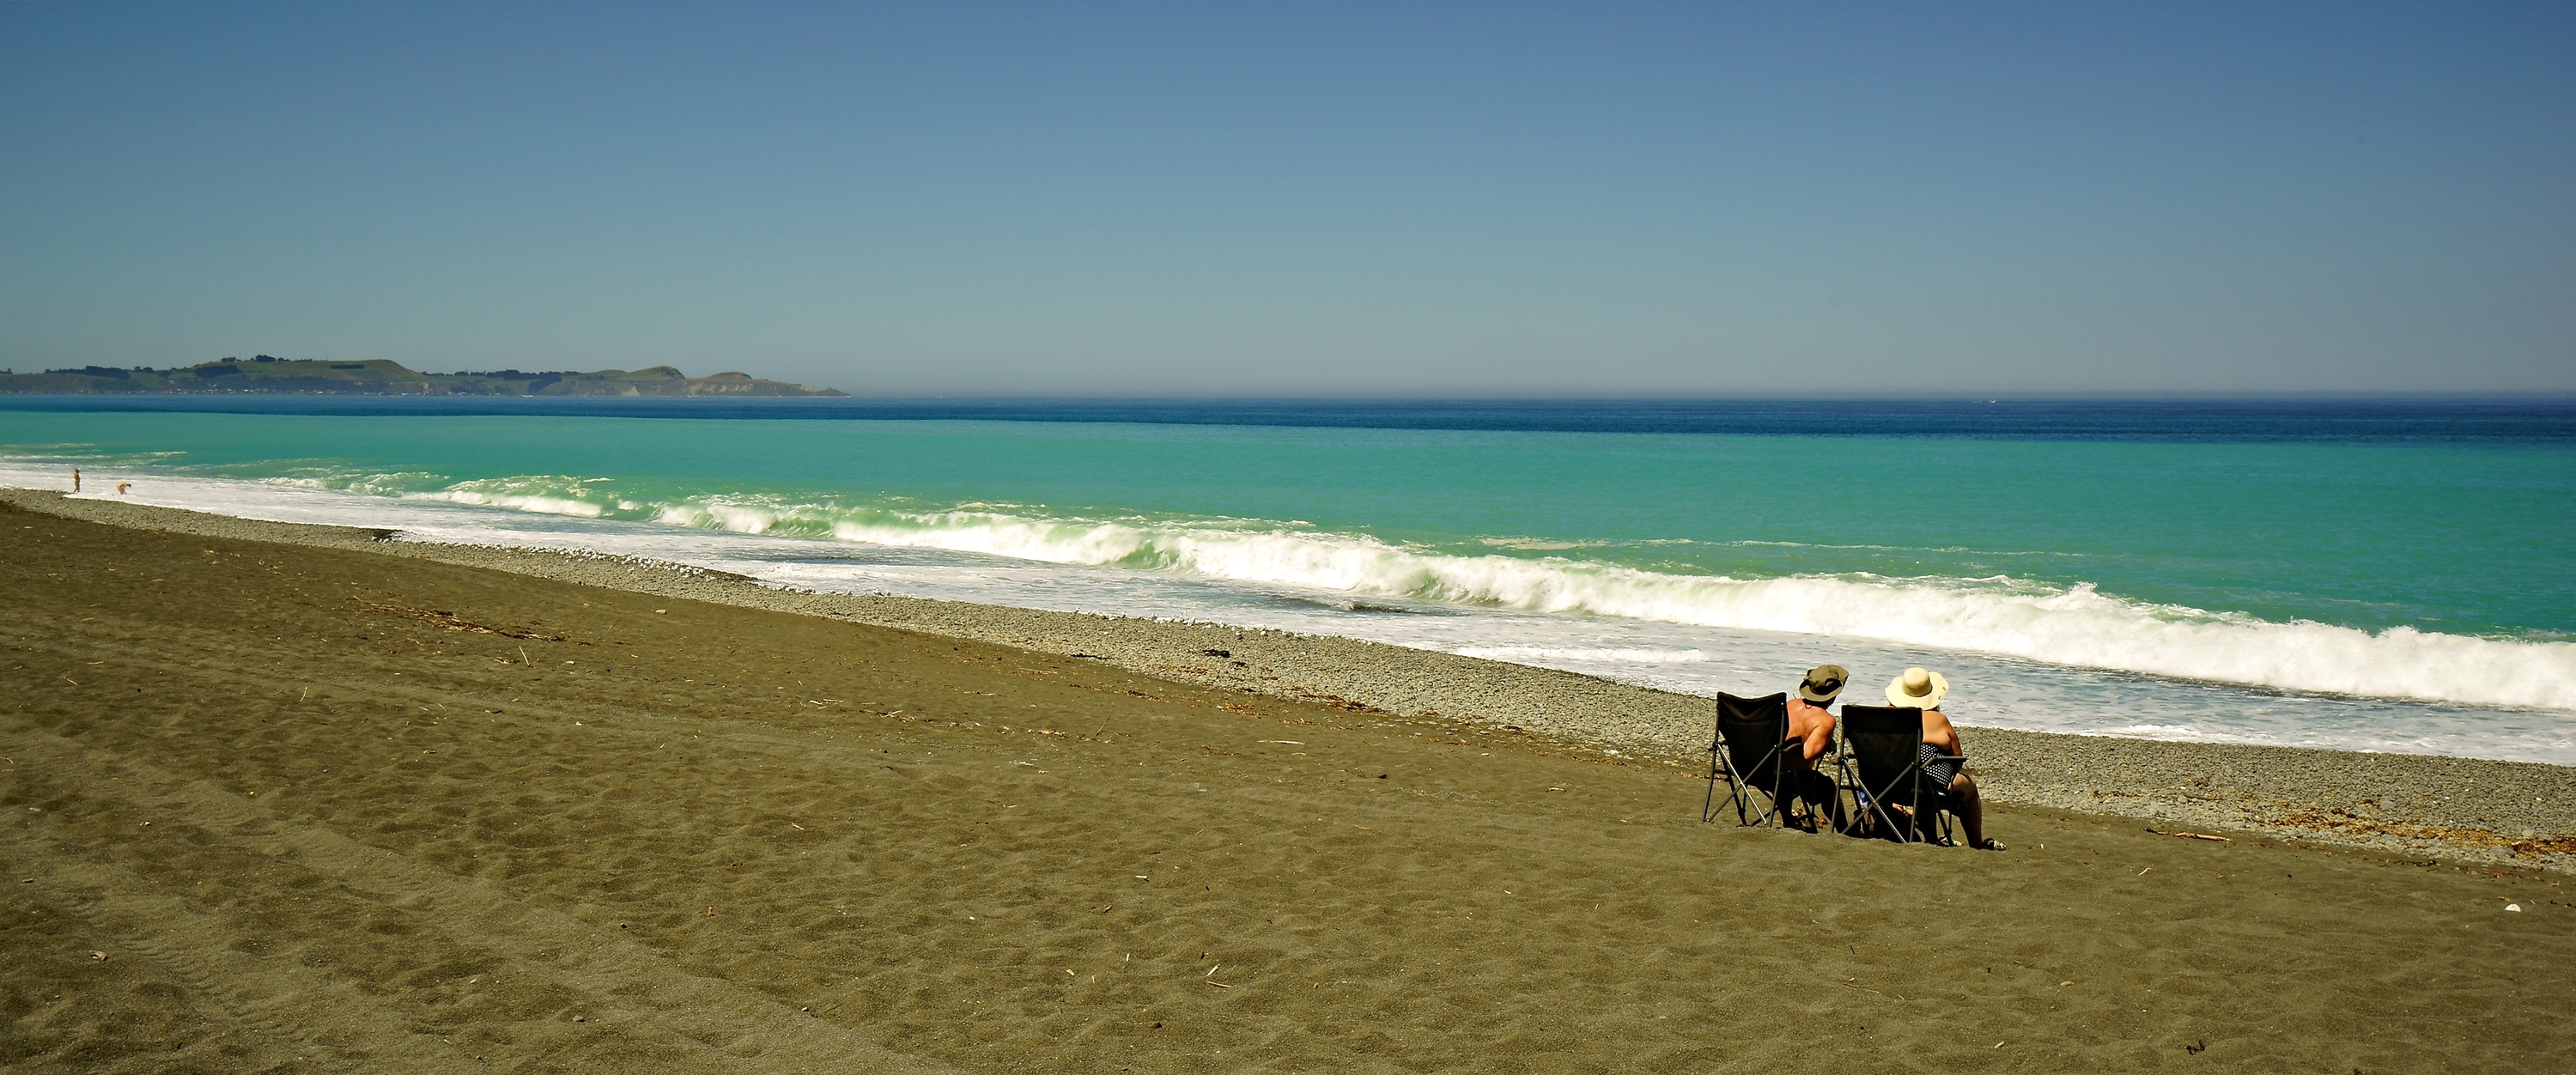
(2392, 579)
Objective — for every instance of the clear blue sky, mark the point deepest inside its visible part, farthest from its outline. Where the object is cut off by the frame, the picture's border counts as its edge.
(1467, 200)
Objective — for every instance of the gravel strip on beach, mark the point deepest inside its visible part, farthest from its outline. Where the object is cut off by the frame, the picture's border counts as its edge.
(2464, 809)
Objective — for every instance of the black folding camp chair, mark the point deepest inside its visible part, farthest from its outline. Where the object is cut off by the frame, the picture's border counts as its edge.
(1751, 752)
(1882, 766)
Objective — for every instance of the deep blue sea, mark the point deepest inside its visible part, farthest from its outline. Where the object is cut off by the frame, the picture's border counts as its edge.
(2362, 574)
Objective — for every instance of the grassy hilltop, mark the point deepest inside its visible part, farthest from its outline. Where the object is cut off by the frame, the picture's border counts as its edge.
(381, 377)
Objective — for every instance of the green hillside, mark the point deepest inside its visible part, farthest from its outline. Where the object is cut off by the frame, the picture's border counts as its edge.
(380, 377)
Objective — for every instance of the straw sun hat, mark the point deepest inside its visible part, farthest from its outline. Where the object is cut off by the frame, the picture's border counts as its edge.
(1917, 689)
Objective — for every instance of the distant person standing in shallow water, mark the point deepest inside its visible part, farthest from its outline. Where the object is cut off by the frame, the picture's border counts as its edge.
(76, 479)
(1921, 689)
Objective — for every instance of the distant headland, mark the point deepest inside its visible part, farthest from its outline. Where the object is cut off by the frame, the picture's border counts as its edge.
(268, 375)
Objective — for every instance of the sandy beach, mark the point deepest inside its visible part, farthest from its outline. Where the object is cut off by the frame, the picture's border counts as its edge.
(292, 798)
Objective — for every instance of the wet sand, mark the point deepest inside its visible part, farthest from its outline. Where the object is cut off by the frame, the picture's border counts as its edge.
(317, 807)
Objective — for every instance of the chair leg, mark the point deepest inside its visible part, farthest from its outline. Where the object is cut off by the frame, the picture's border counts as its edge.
(1708, 806)
(1845, 784)
(1741, 797)
(1746, 812)
(1741, 794)
(1885, 821)
(1909, 827)
(1890, 825)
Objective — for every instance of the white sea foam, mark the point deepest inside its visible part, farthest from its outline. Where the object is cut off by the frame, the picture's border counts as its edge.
(550, 505)
(544, 494)
(1998, 617)
(2062, 625)
(1584, 654)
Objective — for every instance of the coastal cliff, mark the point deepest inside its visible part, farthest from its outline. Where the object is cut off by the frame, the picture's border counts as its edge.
(264, 375)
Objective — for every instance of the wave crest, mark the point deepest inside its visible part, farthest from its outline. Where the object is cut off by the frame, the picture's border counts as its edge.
(2060, 625)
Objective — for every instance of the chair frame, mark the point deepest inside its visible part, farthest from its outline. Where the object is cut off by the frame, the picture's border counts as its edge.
(1873, 803)
(1723, 763)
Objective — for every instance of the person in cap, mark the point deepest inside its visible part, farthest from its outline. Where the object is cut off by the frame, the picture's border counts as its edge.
(1923, 689)
(1810, 717)
(1811, 725)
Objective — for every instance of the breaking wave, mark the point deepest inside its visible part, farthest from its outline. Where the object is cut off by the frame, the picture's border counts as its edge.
(1618, 654)
(2059, 624)
(2063, 625)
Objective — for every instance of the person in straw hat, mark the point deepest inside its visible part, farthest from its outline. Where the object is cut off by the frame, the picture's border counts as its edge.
(1924, 689)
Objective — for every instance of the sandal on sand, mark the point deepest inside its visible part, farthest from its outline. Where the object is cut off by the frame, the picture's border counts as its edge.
(1991, 844)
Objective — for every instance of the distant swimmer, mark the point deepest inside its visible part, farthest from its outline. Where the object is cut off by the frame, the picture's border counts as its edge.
(76, 479)
(121, 487)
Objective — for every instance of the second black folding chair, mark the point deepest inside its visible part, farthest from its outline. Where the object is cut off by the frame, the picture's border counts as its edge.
(1885, 745)
(1753, 754)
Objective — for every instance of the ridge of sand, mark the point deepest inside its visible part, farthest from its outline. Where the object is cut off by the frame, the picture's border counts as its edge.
(617, 981)
(2471, 809)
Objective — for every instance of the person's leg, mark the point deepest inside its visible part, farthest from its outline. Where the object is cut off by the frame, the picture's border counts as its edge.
(1820, 792)
(1972, 810)
(1797, 788)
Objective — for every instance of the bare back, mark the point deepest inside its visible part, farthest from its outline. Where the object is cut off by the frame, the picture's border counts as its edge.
(1937, 732)
(1813, 724)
